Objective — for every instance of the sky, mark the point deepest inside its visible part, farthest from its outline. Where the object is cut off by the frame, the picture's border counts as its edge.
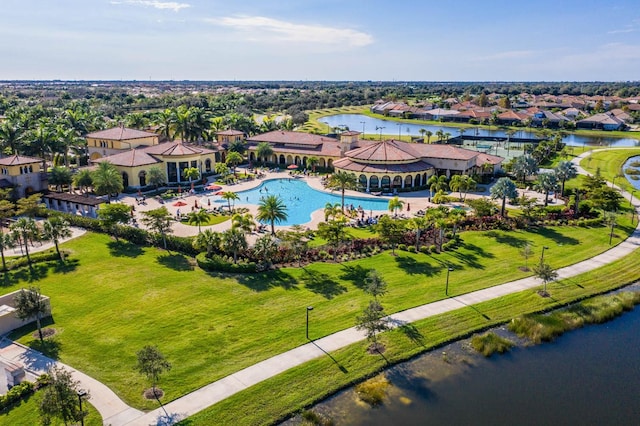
(353, 40)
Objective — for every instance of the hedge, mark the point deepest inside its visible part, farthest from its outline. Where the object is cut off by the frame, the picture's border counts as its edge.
(16, 394)
(217, 263)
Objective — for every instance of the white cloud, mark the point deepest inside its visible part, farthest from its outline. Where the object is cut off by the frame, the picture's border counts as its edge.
(171, 5)
(626, 30)
(261, 29)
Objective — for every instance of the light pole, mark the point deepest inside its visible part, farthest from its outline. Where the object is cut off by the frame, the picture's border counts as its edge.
(542, 255)
(613, 224)
(633, 209)
(309, 308)
(446, 287)
(363, 123)
(81, 394)
(399, 130)
(380, 128)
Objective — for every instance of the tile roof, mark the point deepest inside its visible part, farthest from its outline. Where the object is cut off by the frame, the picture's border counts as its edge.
(483, 158)
(286, 137)
(230, 133)
(120, 133)
(16, 160)
(75, 198)
(384, 151)
(176, 148)
(131, 158)
(353, 166)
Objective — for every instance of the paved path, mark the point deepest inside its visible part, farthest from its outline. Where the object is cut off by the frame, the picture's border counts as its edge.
(117, 413)
(37, 246)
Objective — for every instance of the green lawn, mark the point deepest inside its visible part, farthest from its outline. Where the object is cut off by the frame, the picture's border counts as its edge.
(277, 397)
(213, 220)
(26, 414)
(610, 164)
(209, 325)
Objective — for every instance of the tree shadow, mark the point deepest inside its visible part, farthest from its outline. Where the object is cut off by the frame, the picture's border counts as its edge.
(468, 259)
(356, 274)
(177, 262)
(557, 237)
(50, 347)
(409, 330)
(321, 283)
(404, 378)
(69, 265)
(267, 280)
(479, 251)
(509, 239)
(123, 248)
(412, 266)
(37, 272)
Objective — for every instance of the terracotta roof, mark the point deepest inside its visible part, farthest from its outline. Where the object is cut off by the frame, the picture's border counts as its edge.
(483, 158)
(131, 158)
(297, 138)
(512, 115)
(352, 166)
(120, 133)
(384, 151)
(74, 198)
(448, 152)
(230, 133)
(176, 148)
(350, 133)
(16, 160)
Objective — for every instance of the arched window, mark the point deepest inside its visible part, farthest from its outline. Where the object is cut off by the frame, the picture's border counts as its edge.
(407, 181)
(207, 165)
(385, 182)
(397, 181)
(416, 181)
(363, 181)
(125, 179)
(374, 183)
(282, 160)
(142, 176)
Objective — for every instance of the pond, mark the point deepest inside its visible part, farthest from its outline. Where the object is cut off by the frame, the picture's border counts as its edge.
(588, 376)
(374, 126)
(631, 169)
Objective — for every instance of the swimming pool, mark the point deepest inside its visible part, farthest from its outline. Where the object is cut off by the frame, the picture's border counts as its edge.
(301, 200)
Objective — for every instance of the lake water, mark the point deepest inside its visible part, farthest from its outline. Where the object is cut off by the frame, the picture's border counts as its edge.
(626, 166)
(589, 376)
(375, 126)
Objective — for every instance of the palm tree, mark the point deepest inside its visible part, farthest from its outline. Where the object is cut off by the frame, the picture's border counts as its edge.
(10, 136)
(29, 304)
(422, 132)
(504, 188)
(342, 181)
(54, 229)
(244, 222)
(233, 241)
(233, 159)
(6, 242)
(395, 204)
(313, 162)
(191, 173)
(272, 209)
(208, 240)
(566, 170)
(198, 217)
(264, 151)
(25, 230)
(230, 196)
(164, 120)
(417, 225)
(440, 134)
(331, 210)
(159, 221)
(524, 166)
(437, 183)
(156, 177)
(428, 133)
(83, 180)
(106, 180)
(546, 182)
(59, 177)
(265, 248)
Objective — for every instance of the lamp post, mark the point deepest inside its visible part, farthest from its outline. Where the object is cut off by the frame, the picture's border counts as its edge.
(633, 209)
(446, 287)
(309, 308)
(542, 255)
(81, 394)
(380, 128)
(399, 130)
(363, 123)
(613, 183)
(613, 224)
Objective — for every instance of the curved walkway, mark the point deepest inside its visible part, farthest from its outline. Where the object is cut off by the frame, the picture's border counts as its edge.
(115, 412)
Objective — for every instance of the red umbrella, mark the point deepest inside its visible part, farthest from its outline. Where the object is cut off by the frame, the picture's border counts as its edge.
(292, 166)
(219, 193)
(213, 187)
(179, 204)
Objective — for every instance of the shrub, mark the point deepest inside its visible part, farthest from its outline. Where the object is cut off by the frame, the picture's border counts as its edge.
(402, 247)
(411, 249)
(324, 255)
(490, 343)
(217, 263)
(424, 250)
(45, 256)
(433, 248)
(15, 394)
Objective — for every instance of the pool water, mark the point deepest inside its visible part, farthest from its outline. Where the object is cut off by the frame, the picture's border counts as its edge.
(301, 200)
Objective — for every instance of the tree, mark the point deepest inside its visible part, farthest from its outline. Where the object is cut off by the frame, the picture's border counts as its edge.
(156, 177)
(566, 170)
(112, 215)
(60, 398)
(395, 204)
(152, 363)
(6, 242)
(264, 249)
(198, 217)
(264, 151)
(191, 173)
(30, 206)
(208, 240)
(334, 232)
(230, 196)
(417, 225)
(297, 241)
(55, 229)
(524, 166)
(83, 180)
(158, 221)
(312, 162)
(437, 183)
(375, 285)
(332, 211)
(462, 183)
(547, 182)
(504, 188)
(391, 231)
(342, 181)
(233, 241)
(24, 231)
(273, 210)
(243, 222)
(221, 169)
(233, 159)
(372, 321)
(30, 304)
(428, 133)
(546, 274)
(106, 180)
(526, 251)
(59, 177)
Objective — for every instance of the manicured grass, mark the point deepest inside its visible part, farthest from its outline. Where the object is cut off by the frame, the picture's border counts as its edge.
(213, 220)
(114, 298)
(26, 414)
(610, 164)
(293, 390)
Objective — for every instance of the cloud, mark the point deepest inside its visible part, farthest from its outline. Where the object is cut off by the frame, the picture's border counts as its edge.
(171, 5)
(260, 29)
(626, 30)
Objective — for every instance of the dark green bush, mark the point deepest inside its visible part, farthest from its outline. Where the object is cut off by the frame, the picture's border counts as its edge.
(15, 394)
(218, 263)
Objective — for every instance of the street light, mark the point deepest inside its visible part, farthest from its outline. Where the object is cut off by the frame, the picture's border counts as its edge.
(446, 288)
(309, 308)
(363, 123)
(81, 394)
(399, 130)
(380, 128)
(542, 255)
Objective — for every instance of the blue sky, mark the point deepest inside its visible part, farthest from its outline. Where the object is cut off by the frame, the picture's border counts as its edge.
(430, 40)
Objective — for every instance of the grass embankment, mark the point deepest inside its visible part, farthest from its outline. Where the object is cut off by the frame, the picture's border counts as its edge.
(114, 298)
(543, 328)
(26, 414)
(610, 163)
(489, 343)
(213, 220)
(302, 386)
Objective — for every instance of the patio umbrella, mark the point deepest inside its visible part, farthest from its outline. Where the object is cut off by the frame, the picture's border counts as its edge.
(213, 187)
(292, 166)
(219, 193)
(179, 204)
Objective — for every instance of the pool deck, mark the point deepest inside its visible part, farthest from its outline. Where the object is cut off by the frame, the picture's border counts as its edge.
(418, 200)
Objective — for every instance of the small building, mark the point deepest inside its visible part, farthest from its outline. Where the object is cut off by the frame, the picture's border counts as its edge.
(73, 203)
(23, 174)
(229, 136)
(604, 121)
(117, 139)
